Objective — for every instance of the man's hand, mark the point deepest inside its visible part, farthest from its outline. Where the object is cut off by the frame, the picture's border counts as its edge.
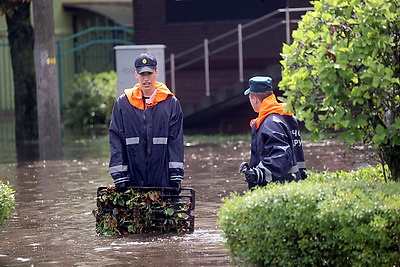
(253, 176)
(121, 187)
(243, 166)
(175, 182)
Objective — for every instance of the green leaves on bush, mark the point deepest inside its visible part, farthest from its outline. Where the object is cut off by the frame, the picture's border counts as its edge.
(369, 174)
(342, 73)
(6, 202)
(332, 221)
(93, 99)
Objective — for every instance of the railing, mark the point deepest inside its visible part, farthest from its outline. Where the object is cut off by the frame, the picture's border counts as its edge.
(238, 42)
(90, 50)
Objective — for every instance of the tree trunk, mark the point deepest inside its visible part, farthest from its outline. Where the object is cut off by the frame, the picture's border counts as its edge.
(393, 161)
(390, 155)
(21, 39)
(48, 106)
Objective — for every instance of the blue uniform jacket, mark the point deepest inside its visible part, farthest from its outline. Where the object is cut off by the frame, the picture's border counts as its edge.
(146, 142)
(276, 146)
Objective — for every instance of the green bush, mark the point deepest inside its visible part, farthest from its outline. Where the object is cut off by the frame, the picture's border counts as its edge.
(342, 70)
(328, 220)
(93, 98)
(6, 202)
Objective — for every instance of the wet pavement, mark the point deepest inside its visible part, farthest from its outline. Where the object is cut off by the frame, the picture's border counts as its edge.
(54, 225)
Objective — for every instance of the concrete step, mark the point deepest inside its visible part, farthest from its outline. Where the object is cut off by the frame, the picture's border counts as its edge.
(208, 106)
(222, 99)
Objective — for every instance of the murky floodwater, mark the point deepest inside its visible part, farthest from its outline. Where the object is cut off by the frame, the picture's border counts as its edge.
(54, 224)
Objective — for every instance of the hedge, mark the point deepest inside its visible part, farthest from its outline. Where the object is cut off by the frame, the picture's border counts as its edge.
(330, 219)
(6, 202)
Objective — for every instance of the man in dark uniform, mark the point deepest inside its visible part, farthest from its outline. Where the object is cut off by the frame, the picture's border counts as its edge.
(146, 133)
(276, 146)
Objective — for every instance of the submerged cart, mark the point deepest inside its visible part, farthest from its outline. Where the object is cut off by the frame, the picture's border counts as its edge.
(144, 210)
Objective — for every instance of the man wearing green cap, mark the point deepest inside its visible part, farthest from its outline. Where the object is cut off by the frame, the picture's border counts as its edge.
(276, 146)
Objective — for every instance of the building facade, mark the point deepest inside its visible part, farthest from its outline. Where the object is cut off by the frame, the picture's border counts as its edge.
(188, 27)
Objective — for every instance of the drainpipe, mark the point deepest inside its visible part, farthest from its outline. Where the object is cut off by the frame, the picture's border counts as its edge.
(173, 73)
(240, 48)
(206, 67)
(287, 18)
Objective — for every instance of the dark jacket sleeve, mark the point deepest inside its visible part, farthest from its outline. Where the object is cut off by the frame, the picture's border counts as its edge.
(118, 155)
(175, 142)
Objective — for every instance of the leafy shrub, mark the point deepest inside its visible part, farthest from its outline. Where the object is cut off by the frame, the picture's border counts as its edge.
(342, 72)
(93, 98)
(6, 202)
(332, 221)
(370, 174)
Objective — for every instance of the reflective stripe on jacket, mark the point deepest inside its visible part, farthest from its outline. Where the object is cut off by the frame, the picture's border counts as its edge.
(146, 141)
(276, 146)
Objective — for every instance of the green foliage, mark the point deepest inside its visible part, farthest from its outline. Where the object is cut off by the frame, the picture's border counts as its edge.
(6, 202)
(369, 174)
(135, 211)
(93, 99)
(328, 220)
(342, 72)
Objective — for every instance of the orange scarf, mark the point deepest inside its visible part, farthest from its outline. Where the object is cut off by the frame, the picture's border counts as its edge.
(135, 95)
(268, 106)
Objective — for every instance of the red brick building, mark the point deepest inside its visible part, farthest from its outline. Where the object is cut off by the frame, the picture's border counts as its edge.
(184, 24)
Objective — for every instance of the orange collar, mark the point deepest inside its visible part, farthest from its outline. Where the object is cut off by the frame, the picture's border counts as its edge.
(135, 95)
(268, 106)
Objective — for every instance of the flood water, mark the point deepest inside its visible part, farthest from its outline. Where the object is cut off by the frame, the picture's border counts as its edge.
(54, 225)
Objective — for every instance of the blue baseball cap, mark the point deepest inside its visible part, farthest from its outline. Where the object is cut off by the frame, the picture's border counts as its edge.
(259, 84)
(145, 63)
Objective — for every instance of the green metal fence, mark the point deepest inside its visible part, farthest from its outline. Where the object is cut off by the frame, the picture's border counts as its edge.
(7, 138)
(6, 80)
(89, 50)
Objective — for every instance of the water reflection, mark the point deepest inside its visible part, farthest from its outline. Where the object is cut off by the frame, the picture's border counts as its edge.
(54, 225)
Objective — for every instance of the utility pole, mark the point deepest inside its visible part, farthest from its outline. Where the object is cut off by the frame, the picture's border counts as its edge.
(48, 106)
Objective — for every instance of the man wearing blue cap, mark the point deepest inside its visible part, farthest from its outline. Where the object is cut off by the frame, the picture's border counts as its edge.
(146, 133)
(276, 146)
